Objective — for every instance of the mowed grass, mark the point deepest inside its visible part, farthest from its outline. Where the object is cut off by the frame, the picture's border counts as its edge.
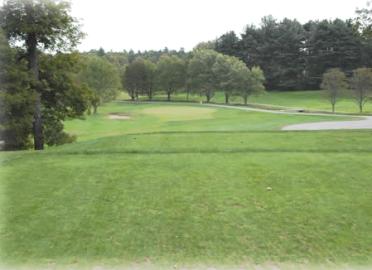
(147, 118)
(301, 99)
(187, 185)
(173, 198)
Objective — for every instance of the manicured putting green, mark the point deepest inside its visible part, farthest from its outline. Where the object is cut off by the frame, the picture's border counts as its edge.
(179, 113)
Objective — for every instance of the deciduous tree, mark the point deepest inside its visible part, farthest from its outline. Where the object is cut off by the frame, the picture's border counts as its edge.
(222, 75)
(134, 81)
(103, 78)
(200, 72)
(39, 25)
(334, 83)
(16, 100)
(361, 86)
(247, 82)
(170, 74)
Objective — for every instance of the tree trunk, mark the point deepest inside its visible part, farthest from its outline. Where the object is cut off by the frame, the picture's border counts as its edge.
(187, 96)
(361, 108)
(208, 98)
(227, 98)
(333, 108)
(132, 97)
(150, 95)
(95, 109)
(245, 100)
(34, 67)
(168, 96)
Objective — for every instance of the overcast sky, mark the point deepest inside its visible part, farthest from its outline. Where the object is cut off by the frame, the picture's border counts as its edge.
(155, 24)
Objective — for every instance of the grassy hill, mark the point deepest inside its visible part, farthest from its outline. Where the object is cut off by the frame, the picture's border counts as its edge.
(187, 186)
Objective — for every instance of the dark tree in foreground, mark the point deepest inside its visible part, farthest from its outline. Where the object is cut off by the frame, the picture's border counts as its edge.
(39, 25)
(334, 83)
(16, 100)
(361, 86)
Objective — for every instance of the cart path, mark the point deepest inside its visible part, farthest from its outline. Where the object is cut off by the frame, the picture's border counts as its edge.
(365, 123)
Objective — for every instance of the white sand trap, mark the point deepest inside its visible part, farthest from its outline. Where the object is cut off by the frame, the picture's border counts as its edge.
(115, 116)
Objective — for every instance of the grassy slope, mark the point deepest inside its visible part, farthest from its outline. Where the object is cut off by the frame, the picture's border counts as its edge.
(189, 197)
(206, 201)
(302, 99)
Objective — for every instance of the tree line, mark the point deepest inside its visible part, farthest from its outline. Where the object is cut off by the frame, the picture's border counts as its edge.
(294, 56)
(204, 74)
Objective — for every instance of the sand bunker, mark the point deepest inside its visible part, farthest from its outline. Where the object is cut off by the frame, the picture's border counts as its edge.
(116, 116)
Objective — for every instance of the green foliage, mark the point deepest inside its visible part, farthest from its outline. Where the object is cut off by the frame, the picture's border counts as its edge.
(331, 45)
(361, 86)
(294, 56)
(48, 20)
(103, 78)
(222, 74)
(135, 78)
(170, 74)
(62, 97)
(334, 83)
(228, 44)
(363, 22)
(247, 82)
(200, 72)
(150, 69)
(39, 25)
(53, 132)
(16, 100)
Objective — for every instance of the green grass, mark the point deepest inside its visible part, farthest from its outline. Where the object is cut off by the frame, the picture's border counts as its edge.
(187, 185)
(302, 99)
(165, 118)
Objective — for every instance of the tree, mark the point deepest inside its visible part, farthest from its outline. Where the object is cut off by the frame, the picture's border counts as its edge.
(39, 25)
(103, 78)
(361, 86)
(334, 83)
(101, 52)
(363, 22)
(63, 97)
(247, 82)
(16, 100)
(222, 75)
(363, 27)
(228, 44)
(200, 72)
(170, 74)
(134, 81)
(150, 78)
(330, 44)
(290, 55)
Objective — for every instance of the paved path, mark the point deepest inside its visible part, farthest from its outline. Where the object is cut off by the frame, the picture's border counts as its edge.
(366, 123)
